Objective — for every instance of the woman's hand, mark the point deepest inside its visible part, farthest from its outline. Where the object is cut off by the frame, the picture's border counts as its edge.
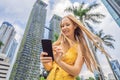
(58, 52)
(44, 59)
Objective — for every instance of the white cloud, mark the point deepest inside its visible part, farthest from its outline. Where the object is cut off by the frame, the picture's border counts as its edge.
(61, 6)
(19, 32)
(13, 10)
(16, 12)
(46, 1)
(56, 7)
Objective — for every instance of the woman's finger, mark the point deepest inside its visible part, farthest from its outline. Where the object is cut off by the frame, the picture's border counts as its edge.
(46, 61)
(59, 48)
(59, 51)
(54, 48)
(45, 58)
(43, 54)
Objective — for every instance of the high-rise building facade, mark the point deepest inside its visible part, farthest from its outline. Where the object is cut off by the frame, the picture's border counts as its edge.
(4, 67)
(7, 34)
(27, 65)
(54, 26)
(116, 68)
(113, 6)
(11, 50)
(11, 55)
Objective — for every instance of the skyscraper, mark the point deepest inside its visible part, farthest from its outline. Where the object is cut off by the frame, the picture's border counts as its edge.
(11, 56)
(27, 65)
(116, 68)
(11, 50)
(54, 26)
(113, 6)
(7, 34)
(4, 67)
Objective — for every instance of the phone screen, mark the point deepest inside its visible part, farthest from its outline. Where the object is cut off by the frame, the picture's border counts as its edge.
(47, 47)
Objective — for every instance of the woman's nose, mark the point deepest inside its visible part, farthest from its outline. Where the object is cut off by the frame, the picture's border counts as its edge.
(63, 27)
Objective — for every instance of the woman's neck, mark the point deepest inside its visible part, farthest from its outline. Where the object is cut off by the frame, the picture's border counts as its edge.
(72, 38)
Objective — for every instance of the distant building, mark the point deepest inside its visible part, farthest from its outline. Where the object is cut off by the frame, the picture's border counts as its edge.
(116, 68)
(113, 6)
(7, 34)
(11, 50)
(27, 64)
(4, 67)
(54, 26)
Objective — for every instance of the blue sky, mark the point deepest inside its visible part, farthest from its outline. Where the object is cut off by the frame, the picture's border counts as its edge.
(17, 13)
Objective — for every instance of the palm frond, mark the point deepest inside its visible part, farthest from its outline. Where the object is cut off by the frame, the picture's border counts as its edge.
(100, 33)
(92, 6)
(73, 10)
(109, 44)
(69, 9)
(81, 6)
(90, 27)
(108, 37)
(94, 20)
(95, 15)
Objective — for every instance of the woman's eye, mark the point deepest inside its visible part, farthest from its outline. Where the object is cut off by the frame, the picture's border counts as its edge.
(67, 24)
(62, 26)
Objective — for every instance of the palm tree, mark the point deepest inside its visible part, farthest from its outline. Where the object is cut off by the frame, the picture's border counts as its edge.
(108, 39)
(85, 15)
(1, 44)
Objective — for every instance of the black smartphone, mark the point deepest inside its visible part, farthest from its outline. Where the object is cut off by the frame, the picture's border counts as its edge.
(47, 47)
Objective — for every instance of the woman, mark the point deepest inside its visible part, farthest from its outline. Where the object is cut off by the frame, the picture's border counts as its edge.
(71, 51)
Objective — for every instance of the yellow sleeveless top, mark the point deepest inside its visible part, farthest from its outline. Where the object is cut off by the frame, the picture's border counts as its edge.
(57, 73)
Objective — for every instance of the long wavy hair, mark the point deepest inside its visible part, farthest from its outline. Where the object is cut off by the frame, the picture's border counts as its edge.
(80, 32)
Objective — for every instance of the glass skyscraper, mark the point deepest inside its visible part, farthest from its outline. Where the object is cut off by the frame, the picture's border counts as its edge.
(54, 26)
(11, 51)
(7, 34)
(27, 65)
(4, 67)
(113, 6)
(116, 68)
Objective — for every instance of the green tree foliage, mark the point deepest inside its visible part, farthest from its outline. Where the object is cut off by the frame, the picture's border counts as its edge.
(91, 78)
(107, 39)
(86, 14)
(1, 44)
(42, 78)
(78, 78)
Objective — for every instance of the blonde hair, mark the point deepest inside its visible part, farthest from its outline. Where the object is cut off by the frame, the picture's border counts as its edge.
(80, 33)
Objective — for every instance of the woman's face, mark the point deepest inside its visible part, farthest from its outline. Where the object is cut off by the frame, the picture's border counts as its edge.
(67, 27)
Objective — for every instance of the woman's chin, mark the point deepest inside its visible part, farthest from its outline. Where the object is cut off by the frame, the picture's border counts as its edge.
(67, 35)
